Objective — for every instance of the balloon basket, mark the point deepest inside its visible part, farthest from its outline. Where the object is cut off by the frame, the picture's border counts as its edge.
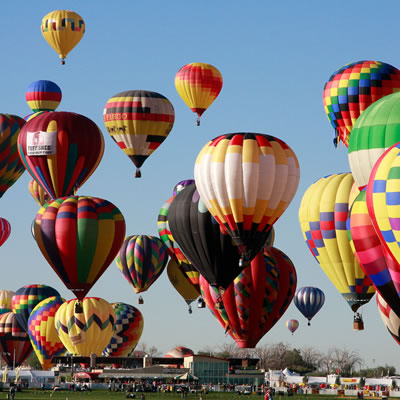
(198, 122)
(140, 300)
(358, 325)
(201, 303)
(138, 174)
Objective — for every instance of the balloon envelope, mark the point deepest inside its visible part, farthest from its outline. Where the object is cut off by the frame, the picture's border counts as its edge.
(309, 300)
(6, 300)
(292, 325)
(42, 331)
(5, 230)
(86, 330)
(38, 193)
(63, 30)
(354, 87)
(27, 298)
(60, 150)
(43, 95)
(128, 330)
(138, 121)
(246, 181)
(79, 237)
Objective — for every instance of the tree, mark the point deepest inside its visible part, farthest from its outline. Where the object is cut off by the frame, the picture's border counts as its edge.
(152, 351)
(33, 362)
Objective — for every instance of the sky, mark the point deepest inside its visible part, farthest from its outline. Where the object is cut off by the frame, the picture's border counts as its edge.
(275, 58)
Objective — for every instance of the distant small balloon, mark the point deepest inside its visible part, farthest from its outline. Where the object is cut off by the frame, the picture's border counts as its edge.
(43, 96)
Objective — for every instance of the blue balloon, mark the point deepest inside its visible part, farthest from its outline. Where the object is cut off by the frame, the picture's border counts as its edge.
(309, 301)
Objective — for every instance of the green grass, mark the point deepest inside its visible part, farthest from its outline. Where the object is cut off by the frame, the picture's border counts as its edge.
(104, 394)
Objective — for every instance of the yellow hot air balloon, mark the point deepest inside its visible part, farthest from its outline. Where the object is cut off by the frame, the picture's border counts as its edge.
(86, 326)
(323, 213)
(63, 30)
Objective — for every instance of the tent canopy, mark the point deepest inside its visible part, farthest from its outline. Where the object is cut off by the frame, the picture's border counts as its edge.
(186, 377)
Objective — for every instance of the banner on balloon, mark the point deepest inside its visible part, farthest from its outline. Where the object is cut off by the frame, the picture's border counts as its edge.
(41, 143)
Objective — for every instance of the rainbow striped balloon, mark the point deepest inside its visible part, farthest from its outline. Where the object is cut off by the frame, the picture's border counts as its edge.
(79, 236)
(141, 260)
(128, 330)
(27, 298)
(43, 95)
(42, 331)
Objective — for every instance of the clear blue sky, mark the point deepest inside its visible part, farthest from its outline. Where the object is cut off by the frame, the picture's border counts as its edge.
(274, 57)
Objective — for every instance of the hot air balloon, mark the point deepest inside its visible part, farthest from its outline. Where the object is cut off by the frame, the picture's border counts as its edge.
(86, 326)
(199, 85)
(382, 198)
(247, 180)
(128, 330)
(352, 88)
(374, 259)
(38, 193)
(29, 117)
(42, 331)
(141, 260)
(181, 185)
(256, 299)
(389, 318)
(179, 280)
(79, 237)
(15, 346)
(6, 300)
(210, 251)
(5, 230)
(43, 96)
(11, 167)
(309, 300)
(181, 273)
(323, 213)
(27, 298)
(138, 121)
(63, 30)
(60, 150)
(292, 325)
(377, 129)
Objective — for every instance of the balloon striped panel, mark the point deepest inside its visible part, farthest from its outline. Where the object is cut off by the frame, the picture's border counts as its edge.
(199, 85)
(389, 318)
(138, 121)
(27, 298)
(43, 95)
(88, 330)
(5, 230)
(128, 330)
(247, 181)
(141, 260)
(352, 88)
(79, 237)
(309, 300)
(42, 331)
(383, 202)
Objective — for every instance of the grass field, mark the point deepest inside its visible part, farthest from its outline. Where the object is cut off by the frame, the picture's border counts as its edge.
(104, 394)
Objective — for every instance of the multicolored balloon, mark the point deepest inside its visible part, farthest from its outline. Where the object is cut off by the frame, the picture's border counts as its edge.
(292, 325)
(86, 326)
(43, 96)
(60, 150)
(38, 193)
(138, 121)
(63, 30)
(179, 280)
(377, 129)
(353, 88)
(29, 117)
(246, 181)
(79, 236)
(323, 213)
(257, 298)
(15, 346)
(6, 301)
(181, 185)
(199, 85)
(142, 259)
(309, 300)
(372, 256)
(5, 230)
(11, 167)
(209, 250)
(128, 330)
(42, 331)
(389, 318)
